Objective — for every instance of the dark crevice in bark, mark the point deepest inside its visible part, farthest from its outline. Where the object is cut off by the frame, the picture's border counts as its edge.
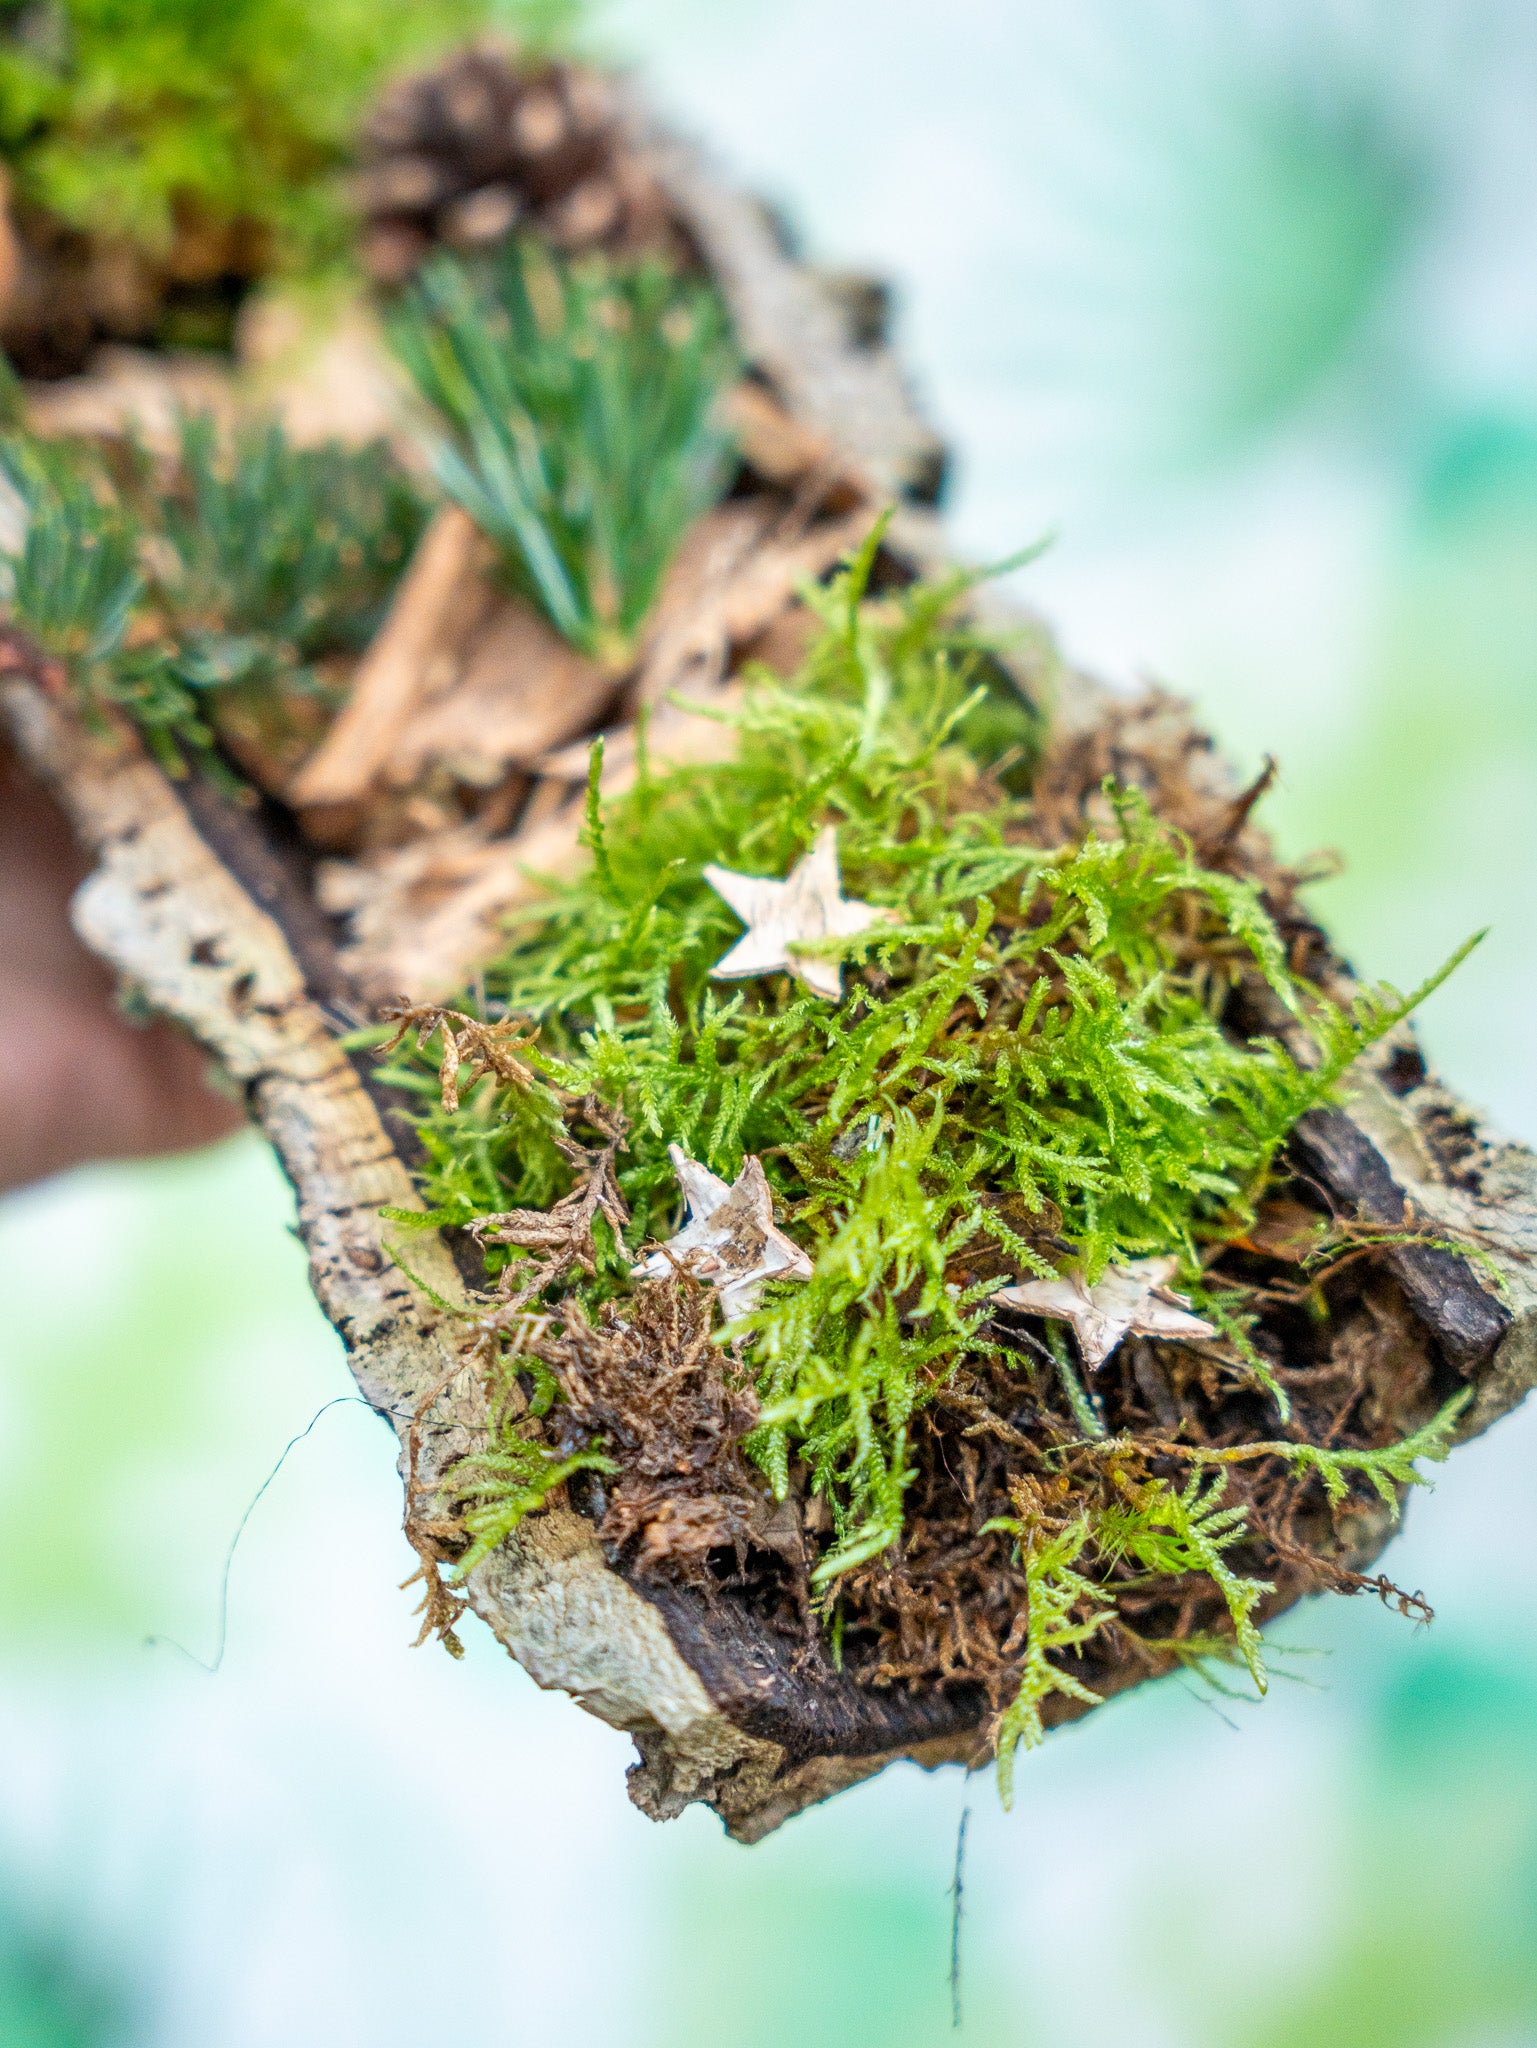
(1465, 1318)
(789, 1692)
(261, 846)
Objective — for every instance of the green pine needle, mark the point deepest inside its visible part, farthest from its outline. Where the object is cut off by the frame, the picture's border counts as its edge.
(581, 403)
(243, 569)
(279, 555)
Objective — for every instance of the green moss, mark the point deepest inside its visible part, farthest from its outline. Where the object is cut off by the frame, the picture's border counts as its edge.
(1033, 1052)
(512, 1479)
(1033, 1066)
(1074, 1564)
(1063, 1609)
(128, 117)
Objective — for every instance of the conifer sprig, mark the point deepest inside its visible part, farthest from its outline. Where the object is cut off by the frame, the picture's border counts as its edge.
(74, 581)
(581, 403)
(72, 576)
(242, 566)
(278, 555)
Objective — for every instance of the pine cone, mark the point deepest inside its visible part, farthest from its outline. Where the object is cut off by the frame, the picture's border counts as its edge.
(484, 144)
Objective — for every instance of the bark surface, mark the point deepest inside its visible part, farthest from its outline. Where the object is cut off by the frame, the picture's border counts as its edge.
(198, 906)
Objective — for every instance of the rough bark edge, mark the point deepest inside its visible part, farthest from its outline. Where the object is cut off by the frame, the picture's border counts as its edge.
(174, 923)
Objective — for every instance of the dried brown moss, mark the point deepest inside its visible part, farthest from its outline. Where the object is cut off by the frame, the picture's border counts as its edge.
(671, 1407)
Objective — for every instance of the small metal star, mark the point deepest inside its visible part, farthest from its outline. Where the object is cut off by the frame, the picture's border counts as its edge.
(808, 905)
(730, 1239)
(1125, 1299)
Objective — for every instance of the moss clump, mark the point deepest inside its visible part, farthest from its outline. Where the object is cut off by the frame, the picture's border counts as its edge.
(1083, 1551)
(1035, 1066)
(175, 121)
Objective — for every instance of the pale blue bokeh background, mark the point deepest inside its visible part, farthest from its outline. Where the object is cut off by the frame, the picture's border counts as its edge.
(1242, 301)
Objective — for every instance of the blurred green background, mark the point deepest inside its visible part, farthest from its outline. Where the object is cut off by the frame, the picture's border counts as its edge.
(1242, 300)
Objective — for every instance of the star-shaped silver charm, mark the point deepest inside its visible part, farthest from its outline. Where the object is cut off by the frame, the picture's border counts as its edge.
(730, 1239)
(808, 905)
(1131, 1298)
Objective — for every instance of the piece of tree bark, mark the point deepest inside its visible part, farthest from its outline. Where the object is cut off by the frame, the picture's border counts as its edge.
(190, 906)
(793, 328)
(780, 450)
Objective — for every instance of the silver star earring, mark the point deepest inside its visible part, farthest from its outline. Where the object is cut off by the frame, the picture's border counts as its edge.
(1134, 1298)
(780, 916)
(731, 1239)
